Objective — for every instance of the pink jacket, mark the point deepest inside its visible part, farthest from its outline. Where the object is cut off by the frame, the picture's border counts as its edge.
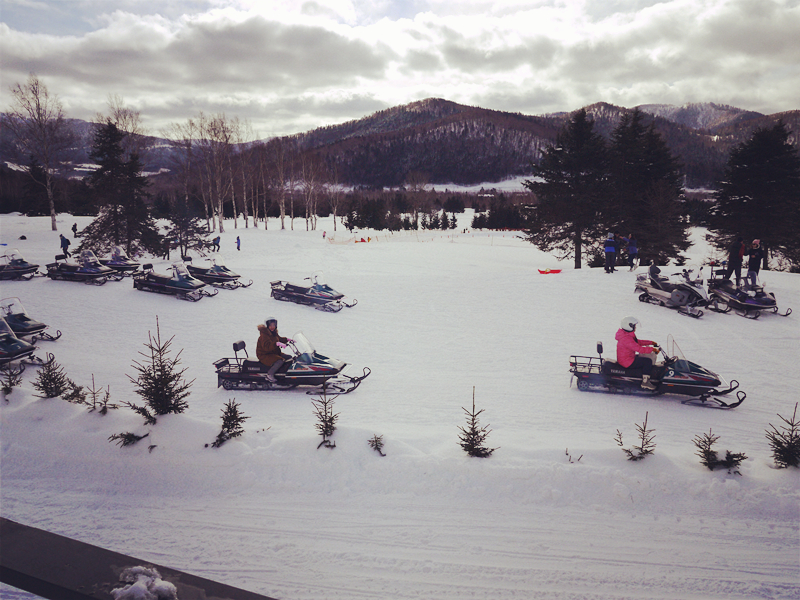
(628, 346)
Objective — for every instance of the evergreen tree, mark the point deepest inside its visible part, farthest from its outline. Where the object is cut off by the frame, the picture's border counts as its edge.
(120, 191)
(160, 382)
(51, 381)
(759, 196)
(473, 436)
(569, 214)
(232, 421)
(185, 226)
(785, 442)
(646, 190)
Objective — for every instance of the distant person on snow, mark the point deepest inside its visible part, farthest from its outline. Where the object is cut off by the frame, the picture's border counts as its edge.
(74, 230)
(611, 253)
(631, 351)
(215, 244)
(633, 250)
(238, 244)
(269, 346)
(64, 245)
(735, 256)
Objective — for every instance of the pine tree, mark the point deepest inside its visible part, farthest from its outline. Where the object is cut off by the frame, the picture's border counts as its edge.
(570, 212)
(646, 184)
(785, 442)
(10, 377)
(326, 418)
(708, 456)
(51, 381)
(232, 421)
(119, 189)
(160, 382)
(759, 197)
(185, 226)
(646, 444)
(473, 436)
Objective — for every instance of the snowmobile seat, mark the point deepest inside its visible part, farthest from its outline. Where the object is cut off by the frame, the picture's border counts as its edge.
(253, 365)
(613, 368)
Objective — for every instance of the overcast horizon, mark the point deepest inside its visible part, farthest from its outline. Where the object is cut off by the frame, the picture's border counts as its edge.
(288, 66)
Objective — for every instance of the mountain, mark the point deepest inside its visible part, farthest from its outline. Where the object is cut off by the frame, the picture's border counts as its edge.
(439, 141)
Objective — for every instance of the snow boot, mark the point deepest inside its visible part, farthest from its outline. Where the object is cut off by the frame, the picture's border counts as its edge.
(646, 385)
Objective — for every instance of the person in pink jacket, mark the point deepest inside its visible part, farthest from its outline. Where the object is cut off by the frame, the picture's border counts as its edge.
(631, 351)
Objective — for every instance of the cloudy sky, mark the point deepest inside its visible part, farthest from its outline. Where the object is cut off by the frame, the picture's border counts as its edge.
(287, 66)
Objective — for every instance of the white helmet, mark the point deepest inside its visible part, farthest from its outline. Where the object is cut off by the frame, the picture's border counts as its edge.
(629, 323)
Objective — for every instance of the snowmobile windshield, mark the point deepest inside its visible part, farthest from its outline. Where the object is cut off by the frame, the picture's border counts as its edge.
(88, 258)
(305, 351)
(317, 278)
(218, 261)
(13, 258)
(119, 254)
(11, 306)
(180, 271)
(5, 329)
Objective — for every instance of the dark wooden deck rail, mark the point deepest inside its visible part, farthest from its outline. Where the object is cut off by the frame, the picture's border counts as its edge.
(56, 567)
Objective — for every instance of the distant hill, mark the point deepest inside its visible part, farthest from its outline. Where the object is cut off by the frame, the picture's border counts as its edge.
(439, 141)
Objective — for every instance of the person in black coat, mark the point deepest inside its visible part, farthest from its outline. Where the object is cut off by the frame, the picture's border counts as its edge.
(735, 256)
(756, 255)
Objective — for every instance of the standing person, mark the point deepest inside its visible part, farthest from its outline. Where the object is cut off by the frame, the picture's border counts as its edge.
(269, 345)
(64, 245)
(756, 255)
(238, 244)
(216, 244)
(631, 351)
(611, 253)
(633, 250)
(735, 256)
(74, 230)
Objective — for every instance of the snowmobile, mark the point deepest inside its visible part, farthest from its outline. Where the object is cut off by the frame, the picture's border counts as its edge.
(686, 295)
(120, 261)
(306, 368)
(675, 375)
(14, 349)
(748, 301)
(319, 295)
(180, 284)
(216, 274)
(21, 324)
(88, 269)
(14, 266)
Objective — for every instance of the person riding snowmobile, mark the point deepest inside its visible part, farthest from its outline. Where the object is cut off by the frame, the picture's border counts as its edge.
(631, 351)
(269, 345)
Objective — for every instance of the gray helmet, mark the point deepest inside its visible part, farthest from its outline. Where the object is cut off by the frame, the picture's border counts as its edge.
(629, 323)
(271, 320)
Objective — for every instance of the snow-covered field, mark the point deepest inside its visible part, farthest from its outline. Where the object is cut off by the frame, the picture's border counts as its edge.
(437, 315)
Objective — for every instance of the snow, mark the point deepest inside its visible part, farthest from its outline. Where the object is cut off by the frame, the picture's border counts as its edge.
(437, 315)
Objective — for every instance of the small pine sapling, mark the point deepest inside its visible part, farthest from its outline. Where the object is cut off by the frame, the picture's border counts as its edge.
(232, 421)
(708, 456)
(128, 439)
(326, 418)
(10, 377)
(569, 457)
(51, 381)
(160, 382)
(646, 444)
(785, 442)
(75, 393)
(376, 443)
(99, 399)
(473, 436)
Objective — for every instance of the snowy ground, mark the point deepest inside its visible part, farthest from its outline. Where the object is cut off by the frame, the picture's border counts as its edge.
(436, 315)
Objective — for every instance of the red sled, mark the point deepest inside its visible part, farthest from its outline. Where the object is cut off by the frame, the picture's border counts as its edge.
(548, 271)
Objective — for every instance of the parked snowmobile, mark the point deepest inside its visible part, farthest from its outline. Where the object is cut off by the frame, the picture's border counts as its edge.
(21, 324)
(306, 368)
(120, 261)
(14, 266)
(319, 295)
(88, 269)
(14, 349)
(686, 295)
(216, 274)
(180, 284)
(675, 375)
(747, 301)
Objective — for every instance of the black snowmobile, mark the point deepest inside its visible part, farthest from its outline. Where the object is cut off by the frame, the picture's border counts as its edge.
(14, 266)
(216, 274)
(14, 349)
(120, 261)
(686, 295)
(305, 368)
(745, 301)
(21, 324)
(87, 270)
(319, 295)
(180, 284)
(675, 375)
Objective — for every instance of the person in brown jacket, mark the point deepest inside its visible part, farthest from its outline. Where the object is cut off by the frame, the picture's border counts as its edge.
(268, 348)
